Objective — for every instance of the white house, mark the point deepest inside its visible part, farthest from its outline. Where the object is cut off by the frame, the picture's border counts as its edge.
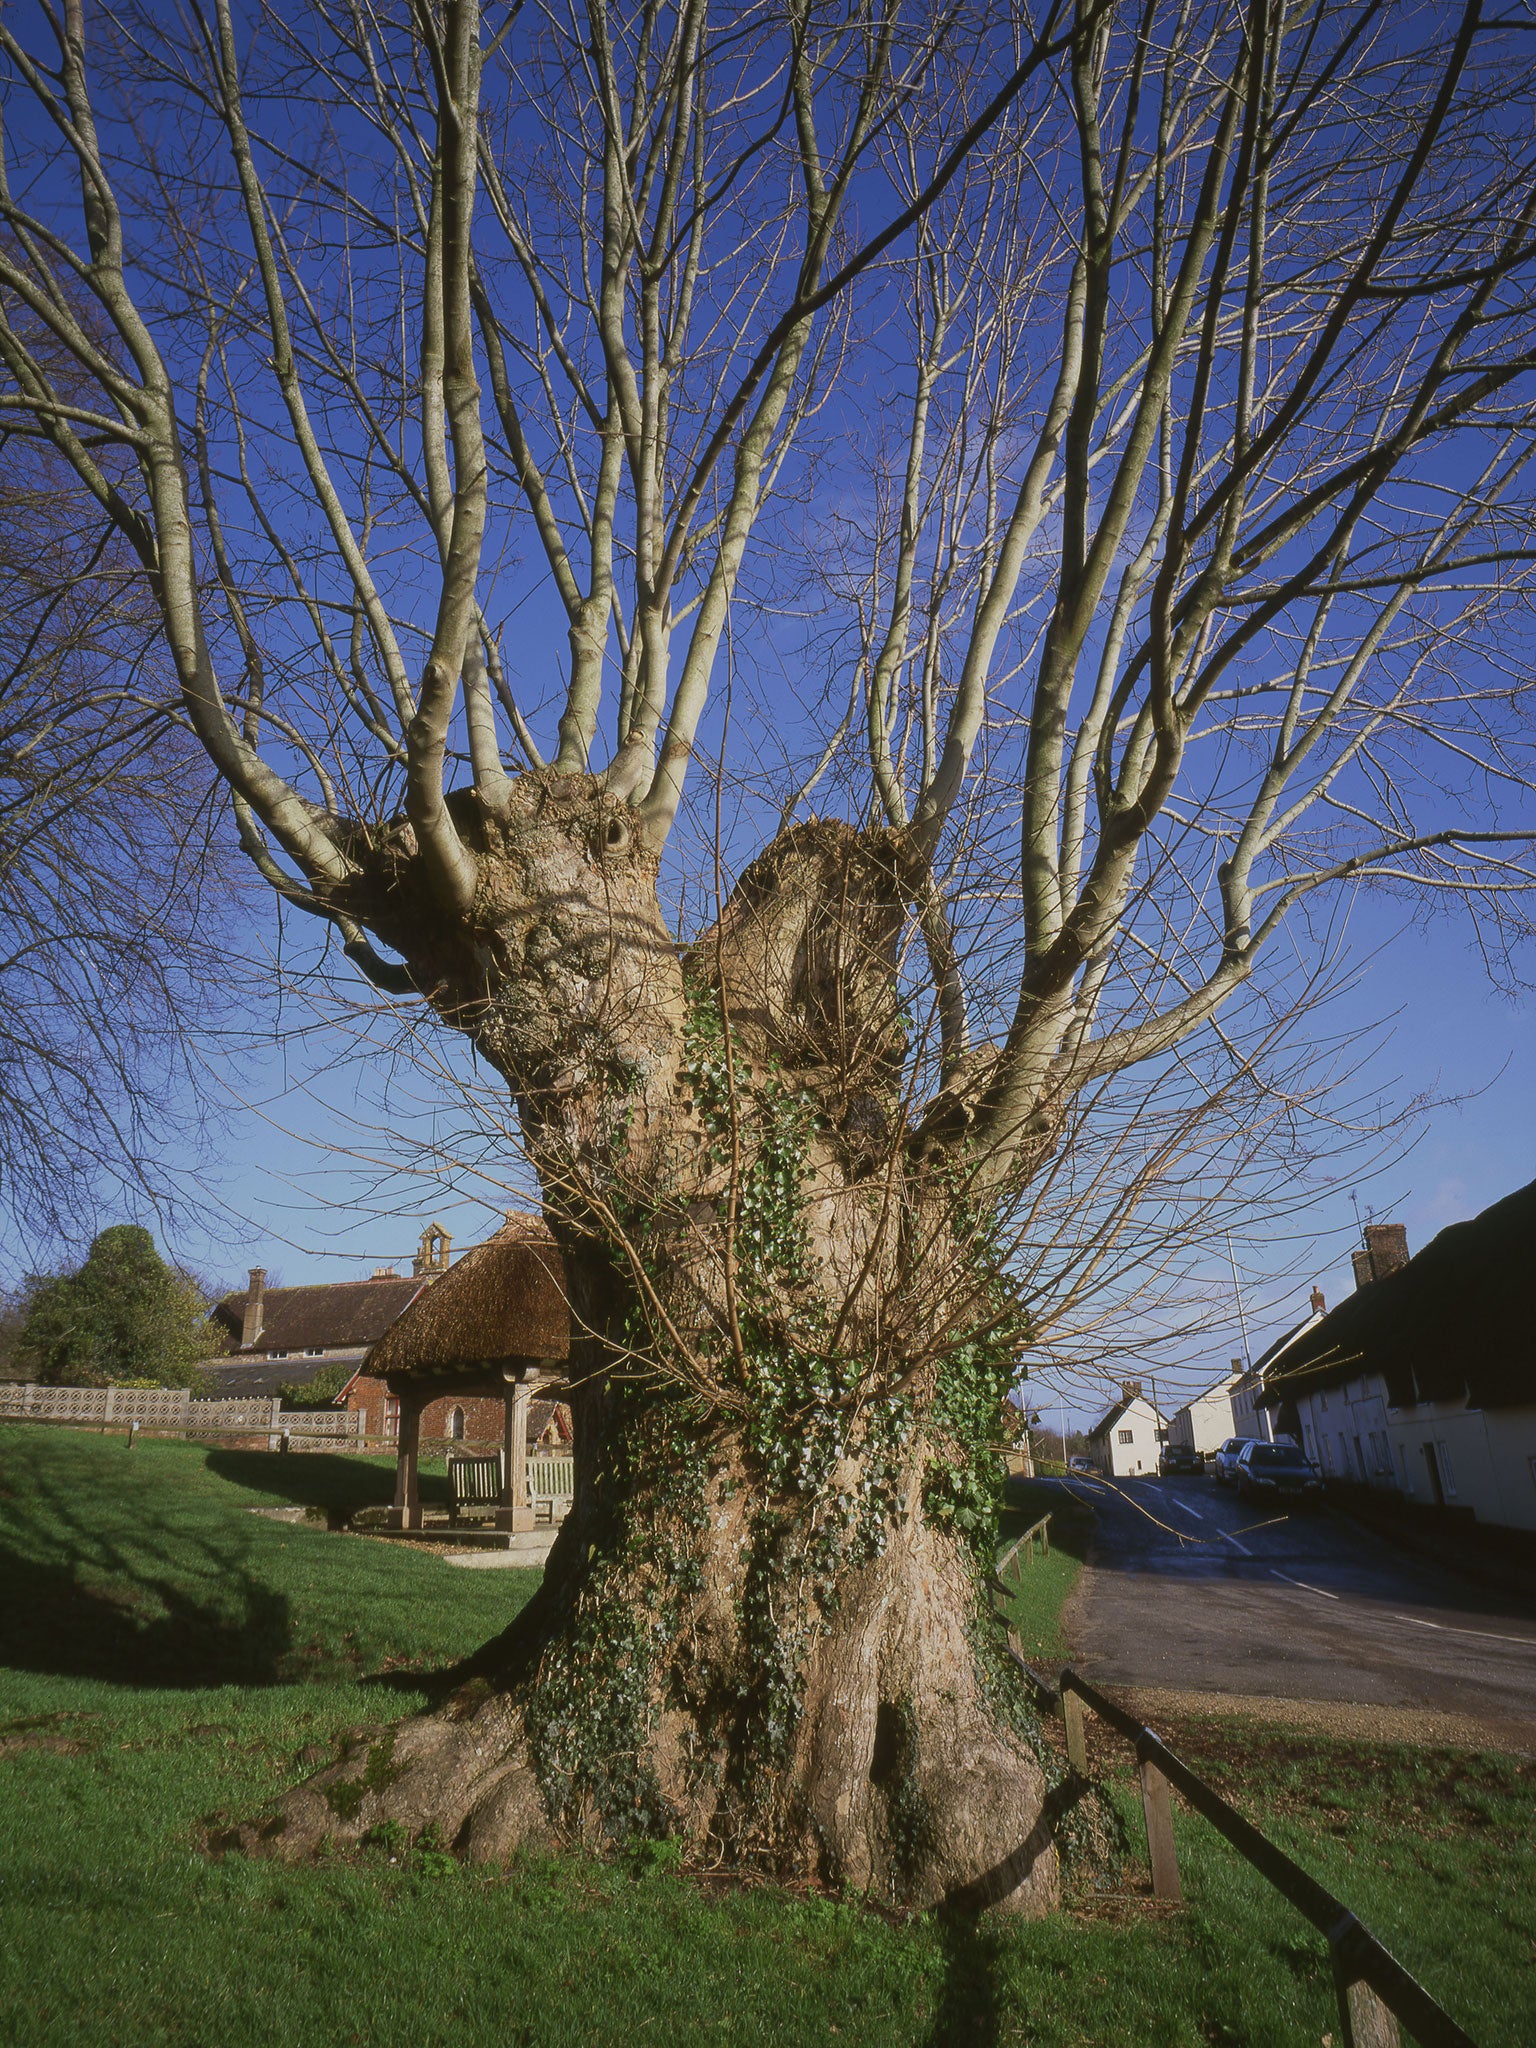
(1128, 1439)
(1204, 1424)
(1423, 1381)
(1251, 1416)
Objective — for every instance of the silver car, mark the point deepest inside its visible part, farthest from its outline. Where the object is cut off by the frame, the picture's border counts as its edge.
(1225, 1460)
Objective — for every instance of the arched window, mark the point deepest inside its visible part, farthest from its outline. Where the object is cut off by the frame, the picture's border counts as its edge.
(456, 1424)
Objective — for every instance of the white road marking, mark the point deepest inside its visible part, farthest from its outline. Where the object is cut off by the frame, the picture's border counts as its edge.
(1441, 1627)
(1321, 1591)
(1486, 1634)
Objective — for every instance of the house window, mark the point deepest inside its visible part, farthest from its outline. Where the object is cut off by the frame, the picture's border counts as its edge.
(1447, 1477)
(1125, 1436)
(456, 1424)
(277, 1354)
(314, 1351)
(391, 1416)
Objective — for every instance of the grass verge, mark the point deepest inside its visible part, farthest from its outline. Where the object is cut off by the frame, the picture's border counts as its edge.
(1042, 1584)
(169, 1656)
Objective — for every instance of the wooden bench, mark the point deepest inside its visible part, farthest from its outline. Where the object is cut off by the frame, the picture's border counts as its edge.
(474, 1486)
(551, 1486)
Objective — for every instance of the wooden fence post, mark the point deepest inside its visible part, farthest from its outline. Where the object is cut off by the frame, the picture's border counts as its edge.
(1366, 2020)
(1077, 1745)
(1157, 1809)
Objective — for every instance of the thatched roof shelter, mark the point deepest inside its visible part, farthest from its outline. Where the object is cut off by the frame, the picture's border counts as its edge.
(1456, 1319)
(496, 1324)
(504, 1301)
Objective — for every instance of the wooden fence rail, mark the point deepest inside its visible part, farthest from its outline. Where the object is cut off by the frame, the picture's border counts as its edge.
(1374, 1990)
(1037, 1534)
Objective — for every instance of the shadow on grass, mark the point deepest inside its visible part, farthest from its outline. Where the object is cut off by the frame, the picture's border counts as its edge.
(1025, 1501)
(971, 1938)
(104, 1575)
(338, 1482)
(969, 2007)
(150, 1632)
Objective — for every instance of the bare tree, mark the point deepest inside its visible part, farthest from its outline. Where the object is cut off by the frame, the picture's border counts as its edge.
(113, 893)
(1152, 386)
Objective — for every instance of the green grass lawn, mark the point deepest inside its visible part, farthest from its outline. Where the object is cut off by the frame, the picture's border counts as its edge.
(169, 1656)
(1043, 1582)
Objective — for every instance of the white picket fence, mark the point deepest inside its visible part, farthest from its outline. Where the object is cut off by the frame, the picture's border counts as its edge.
(178, 1409)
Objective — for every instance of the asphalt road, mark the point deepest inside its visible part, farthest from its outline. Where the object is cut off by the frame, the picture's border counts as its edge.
(1189, 1587)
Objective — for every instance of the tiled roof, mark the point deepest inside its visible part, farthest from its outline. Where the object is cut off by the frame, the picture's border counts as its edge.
(339, 1315)
(229, 1378)
(542, 1413)
(1107, 1422)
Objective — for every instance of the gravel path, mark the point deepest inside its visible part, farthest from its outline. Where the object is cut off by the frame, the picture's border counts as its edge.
(1157, 1706)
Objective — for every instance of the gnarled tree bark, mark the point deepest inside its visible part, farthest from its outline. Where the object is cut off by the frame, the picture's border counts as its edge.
(760, 1629)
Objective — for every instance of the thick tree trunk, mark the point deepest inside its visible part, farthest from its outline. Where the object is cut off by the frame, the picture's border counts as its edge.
(698, 1667)
(762, 1629)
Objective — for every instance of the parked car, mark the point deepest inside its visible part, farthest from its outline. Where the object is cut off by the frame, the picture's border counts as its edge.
(1178, 1458)
(1227, 1455)
(1080, 1464)
(1276, 1471)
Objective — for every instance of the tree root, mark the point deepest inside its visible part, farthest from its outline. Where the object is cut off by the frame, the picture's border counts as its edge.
(900, 1780)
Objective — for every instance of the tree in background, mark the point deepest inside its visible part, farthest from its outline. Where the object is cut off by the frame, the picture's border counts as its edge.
(317, 1392)
(1155, 481)
(123, 1317)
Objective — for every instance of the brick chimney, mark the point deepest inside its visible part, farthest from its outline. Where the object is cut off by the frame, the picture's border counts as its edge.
(1384, 1251)
(1130, 1390)
(1319, 1305)
(255, 1308)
